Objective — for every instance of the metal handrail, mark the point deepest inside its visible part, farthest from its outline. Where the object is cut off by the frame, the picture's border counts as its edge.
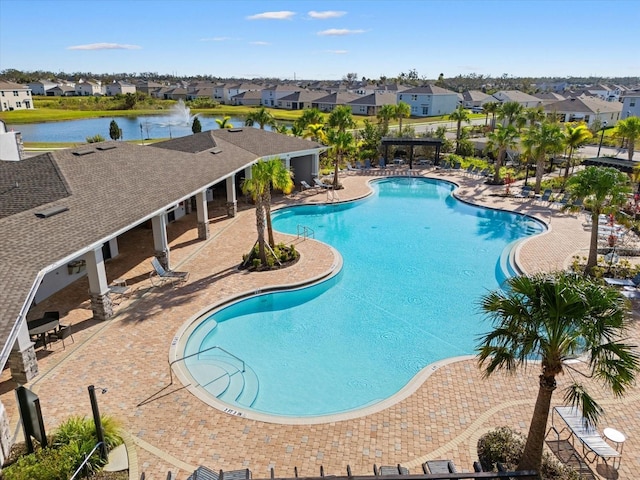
(202, 351)
(306, 232)
(86, 459)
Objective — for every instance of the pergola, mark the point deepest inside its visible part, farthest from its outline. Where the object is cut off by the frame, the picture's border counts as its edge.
(411, 142)
(623, 165)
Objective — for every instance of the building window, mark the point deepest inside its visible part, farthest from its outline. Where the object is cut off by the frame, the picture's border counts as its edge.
(632, 103)
(15, 93)
(414, 98)
(18, 104)
(425, 110)
(400, 95)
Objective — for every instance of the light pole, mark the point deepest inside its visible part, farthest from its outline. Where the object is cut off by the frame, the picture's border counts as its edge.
(604, 126)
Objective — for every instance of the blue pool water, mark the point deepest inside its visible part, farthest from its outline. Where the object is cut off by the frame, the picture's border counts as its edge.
(416, 261)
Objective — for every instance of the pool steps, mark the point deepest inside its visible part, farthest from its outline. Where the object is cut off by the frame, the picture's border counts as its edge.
(224, 379)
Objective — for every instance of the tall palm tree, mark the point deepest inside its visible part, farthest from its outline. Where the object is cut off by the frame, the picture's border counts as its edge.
(459, 115)
(604, 190)
(281, 128)
(261, 116)
(500, 140)
(341, 118)
(575, 137)
(510, 111)
(541, 140)
(491, 108)
(297, 130)
(264, 176)
(402, 110)
(385, 114)
(557, 317)
(342, 141)
(310, 116)
(534, 115)
(224, 122)
(315, 131)
(629, 128)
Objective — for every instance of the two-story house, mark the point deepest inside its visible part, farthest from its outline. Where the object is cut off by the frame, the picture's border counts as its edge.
(524, 99)
(14, 96)
(41, 87)
(119, 87)
(88, 88)
(585, 109)
(370, 104)
(631, 104)
(271, 95)
(429, 100)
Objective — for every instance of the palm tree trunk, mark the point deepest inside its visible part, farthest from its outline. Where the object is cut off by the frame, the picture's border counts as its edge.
(262, 253)
(631, 145)
(336, 169)
(592, 260)
(399, 126)
(267, 212)
(499, 160)
(566, 170)
(458, 136)
(532, 454)
(539, 173)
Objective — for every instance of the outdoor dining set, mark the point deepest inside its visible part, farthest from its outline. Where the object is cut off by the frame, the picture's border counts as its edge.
(48, 329)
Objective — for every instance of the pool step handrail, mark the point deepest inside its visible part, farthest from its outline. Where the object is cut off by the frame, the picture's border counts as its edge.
(198, 353)
(305, 232)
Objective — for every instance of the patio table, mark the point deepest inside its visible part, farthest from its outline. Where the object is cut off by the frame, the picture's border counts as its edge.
(41, 326)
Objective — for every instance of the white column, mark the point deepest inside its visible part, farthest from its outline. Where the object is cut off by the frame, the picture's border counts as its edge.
(160, 242)
(315, 165)
(101, 303)
(232, 200)
(23, 362)
(202, 215)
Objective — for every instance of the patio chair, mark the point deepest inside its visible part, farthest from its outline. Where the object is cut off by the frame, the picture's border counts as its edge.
(525, 193)
(163, 275)
(318, 183)
(439, 466)
(63, 331)
(623, 282)
(546, 195)
(305, 185)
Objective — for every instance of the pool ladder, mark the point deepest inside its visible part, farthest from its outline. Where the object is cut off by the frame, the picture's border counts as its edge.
(305, 232)
(202, 351)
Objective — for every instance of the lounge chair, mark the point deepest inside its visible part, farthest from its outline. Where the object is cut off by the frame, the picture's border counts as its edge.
(525, 193)
(164, 275)
(562, 202)
(318, 183)
(439, 466)
(305, 185)
(351, 168)
(546, 195)
(624, 282)
(390, 470)
(367, 164)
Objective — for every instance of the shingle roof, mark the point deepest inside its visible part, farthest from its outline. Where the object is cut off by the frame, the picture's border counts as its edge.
(107, 188)
(584, 105)
(376, 99)
(429, 89)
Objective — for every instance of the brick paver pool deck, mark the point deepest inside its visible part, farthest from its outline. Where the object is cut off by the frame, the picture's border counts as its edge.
(169, 429)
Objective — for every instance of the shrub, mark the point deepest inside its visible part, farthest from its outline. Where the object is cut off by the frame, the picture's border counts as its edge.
(45, 464)
(506, 446)
(95, 139)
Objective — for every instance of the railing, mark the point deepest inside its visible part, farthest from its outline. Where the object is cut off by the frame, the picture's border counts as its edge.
(305, 232)
(202, 351)
(86, 459)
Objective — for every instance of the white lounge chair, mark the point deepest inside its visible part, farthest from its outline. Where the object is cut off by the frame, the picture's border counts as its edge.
(164, 275)
(319, 183)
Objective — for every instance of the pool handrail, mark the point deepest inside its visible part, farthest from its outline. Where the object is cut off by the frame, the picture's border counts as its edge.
(198, 353)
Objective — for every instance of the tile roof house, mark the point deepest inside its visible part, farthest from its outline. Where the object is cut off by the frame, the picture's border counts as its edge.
(14, 96)
(370, 104)
(429, 100)
(90, 191)
(585, 109)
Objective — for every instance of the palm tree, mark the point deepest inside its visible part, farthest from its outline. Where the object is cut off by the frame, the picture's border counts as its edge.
(310, 116)
(297, 130)
(500, 140)
(224, 122)
(264, 175)
(460, 115)
(281, 128)
(385, 114)
(342, 142)
(541, 140)
(575, 137)
(534, 115)
(260, 116)
(556, 317)
(603, 190)
(510, 111)
(341, 118)
(402, 110)
(491, 108)
(629, 128)
(315, 131)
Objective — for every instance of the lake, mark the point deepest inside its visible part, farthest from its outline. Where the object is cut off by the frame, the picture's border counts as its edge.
(133, 128)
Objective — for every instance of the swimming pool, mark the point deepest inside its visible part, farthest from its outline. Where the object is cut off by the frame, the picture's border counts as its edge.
(415, 262)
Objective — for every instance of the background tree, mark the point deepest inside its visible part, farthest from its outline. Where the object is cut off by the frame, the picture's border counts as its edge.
(604, 190)
(510, 111)
(541, 140)
(261, 116)
(500, 140)
(534, 115)
(556, 317)
(196, 127)
(224, 122)
(402, 110)
(342, 142)
(130, 101)
(114, 130)
(628, 128)
(459, 115)
(384, 116)
(309, 116)
(315, 132)
(491, 108)
(575, 137)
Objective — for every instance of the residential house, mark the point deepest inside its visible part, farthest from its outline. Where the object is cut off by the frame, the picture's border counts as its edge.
(631, 104)
(365, 89)
(391, 88)
(11, 148)
(610, 93)
(249, 98)
(14, 96)
(585, 109)
(271, 95)
(238, 88)
(524, 99)
(475, 98)
(203, 92)
(119, 87)
(148, 87)
(41, 87)
(175, 93)
(547, 98)
(429, 100)
(328, 102)
(300, 100)
(87, 88)
(62, 91)
(370, 104)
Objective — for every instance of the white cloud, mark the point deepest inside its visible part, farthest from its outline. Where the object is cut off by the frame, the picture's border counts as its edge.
(326, 14)
(339, 32)
(259, 43)
(338, 52)
(215, 39)
(282, 15)
(104, 46)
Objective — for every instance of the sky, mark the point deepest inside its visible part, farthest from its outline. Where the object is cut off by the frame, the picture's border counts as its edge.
(323, 39)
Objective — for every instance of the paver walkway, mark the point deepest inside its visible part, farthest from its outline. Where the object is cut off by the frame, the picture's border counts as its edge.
(169, 429)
